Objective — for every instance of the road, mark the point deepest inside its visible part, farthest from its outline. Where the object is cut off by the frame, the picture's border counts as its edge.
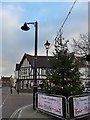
(12, 102)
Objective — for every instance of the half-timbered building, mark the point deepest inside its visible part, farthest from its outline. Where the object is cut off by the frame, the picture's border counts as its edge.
(24, 71)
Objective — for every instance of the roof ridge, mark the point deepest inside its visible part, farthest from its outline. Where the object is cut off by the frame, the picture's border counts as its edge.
(27, 54)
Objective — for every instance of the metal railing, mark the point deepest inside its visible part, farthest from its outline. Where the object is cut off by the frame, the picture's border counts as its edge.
(72, 108)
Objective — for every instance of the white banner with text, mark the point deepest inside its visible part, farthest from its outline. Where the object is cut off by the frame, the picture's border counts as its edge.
(81, 105)
(50, 104)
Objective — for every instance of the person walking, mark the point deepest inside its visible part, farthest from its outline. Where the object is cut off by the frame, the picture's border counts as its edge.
(11, 84)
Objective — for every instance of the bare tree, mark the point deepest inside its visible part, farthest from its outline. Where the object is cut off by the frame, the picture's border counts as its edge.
(81, 46)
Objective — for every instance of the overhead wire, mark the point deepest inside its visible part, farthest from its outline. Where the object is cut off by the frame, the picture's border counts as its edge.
(60, 30)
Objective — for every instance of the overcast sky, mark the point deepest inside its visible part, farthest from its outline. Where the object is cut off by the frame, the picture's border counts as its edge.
(49, 15)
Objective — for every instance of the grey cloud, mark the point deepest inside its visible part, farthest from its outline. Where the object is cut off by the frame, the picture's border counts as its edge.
(16, 42)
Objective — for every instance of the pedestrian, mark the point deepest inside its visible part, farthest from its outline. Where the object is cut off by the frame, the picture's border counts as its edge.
(30, 84)
(11, 89)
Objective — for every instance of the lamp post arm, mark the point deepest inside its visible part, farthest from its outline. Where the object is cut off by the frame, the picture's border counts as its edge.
(30, 23)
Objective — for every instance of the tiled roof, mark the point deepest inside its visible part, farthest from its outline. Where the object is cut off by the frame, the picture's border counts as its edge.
(41, 62)
(5, 78)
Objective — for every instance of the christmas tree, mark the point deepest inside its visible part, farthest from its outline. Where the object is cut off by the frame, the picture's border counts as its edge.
(64, 72)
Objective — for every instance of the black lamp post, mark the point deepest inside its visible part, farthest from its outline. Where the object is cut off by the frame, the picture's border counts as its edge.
(26, 28)
(47, 45)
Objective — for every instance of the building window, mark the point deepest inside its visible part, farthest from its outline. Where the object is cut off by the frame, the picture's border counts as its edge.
(43, 71)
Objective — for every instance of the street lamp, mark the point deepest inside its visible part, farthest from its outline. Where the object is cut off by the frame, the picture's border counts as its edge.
(47, 45)
(26, 28)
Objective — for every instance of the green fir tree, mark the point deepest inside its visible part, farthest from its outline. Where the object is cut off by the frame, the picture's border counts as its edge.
(64, 72)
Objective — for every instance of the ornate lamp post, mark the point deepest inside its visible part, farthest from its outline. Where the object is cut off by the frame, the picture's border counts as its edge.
(26, 28)
(47, 45)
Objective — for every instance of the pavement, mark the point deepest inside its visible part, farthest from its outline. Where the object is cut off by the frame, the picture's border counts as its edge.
(29, 112)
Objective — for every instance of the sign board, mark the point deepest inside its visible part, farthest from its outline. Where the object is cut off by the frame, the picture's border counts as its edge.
(81, 105)
(50, 104)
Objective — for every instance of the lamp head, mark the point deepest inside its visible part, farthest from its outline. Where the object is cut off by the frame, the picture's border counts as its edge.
(47, 44)
(25, 27)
